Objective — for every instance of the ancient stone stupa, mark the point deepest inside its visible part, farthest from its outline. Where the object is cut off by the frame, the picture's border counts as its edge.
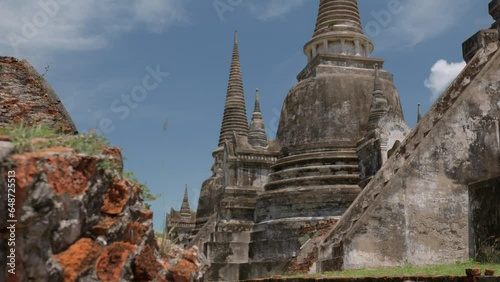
(341, 96)
(263, 195)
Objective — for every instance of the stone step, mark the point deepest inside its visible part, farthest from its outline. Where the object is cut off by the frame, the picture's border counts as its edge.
(237, 213)
(290, 227)
(227, 252)
(349, 179)
(238, 204)
(232, 237)
(262, 269)
(222, 272)
(315, 170)
(234, 225)
(241, 191)
(280, 249)
(308, 201)
(329, 157)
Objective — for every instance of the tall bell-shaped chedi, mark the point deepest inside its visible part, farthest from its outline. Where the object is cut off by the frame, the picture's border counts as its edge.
(323, 117)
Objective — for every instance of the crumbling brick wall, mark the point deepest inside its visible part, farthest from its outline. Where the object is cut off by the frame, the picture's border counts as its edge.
(26, 97)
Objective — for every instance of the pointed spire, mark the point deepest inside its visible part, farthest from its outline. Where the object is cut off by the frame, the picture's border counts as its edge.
(257, 133)
(256, 108)
(379, 106)
(339, 31)
(235, 115)
(185, 209)
(419, 115)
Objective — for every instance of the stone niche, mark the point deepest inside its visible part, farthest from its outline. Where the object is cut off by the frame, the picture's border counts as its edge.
(484, 201)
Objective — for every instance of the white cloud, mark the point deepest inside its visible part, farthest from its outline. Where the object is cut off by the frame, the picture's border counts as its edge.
(415, 21)
(54, 25)
(442, 74)
(270, 9)
(159, 14)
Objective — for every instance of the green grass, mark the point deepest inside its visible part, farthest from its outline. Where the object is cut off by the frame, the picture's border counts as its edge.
(457, 269)
(22, 136)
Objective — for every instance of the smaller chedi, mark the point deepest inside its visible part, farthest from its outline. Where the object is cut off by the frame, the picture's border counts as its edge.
(179, 224)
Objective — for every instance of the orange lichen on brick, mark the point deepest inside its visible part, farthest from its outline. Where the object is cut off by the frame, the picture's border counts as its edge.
(145, 215)
(78, 258)
(104, 225)
(116, 197)
(64, 176)
(35, 103)
(26, 169)
(134, 232)
(70, 175)
(54, 150)
(165, 264)
(294, 267)
(136, 190)
(191, 255)
(146, 267)
(183, 271)
(113, 152)
(110, 263)
(5, 138)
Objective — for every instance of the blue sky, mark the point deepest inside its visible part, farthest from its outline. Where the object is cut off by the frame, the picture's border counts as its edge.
(102, 51)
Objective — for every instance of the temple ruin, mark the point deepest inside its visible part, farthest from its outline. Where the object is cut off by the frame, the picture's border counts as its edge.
(347, 183)
(179, 224)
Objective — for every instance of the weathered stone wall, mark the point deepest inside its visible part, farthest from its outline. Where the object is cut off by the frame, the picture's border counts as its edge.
(26, 96)
(415, 209)
(78, 221)
(210, 192)
(331, 110)
(245, 171)
(484, 197)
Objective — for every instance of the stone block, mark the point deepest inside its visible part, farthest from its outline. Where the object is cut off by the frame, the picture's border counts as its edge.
(489, 272)
(473, 271)
(487, 279)
(478, 41)
(110, 264)
(494, 8)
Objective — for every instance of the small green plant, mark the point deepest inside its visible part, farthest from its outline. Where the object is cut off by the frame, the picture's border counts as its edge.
(146, 195)
(47, 68)
(22, 136)
(110, 167)
(489, 250)
(38, 80)
(89, 143)
(168, 240)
